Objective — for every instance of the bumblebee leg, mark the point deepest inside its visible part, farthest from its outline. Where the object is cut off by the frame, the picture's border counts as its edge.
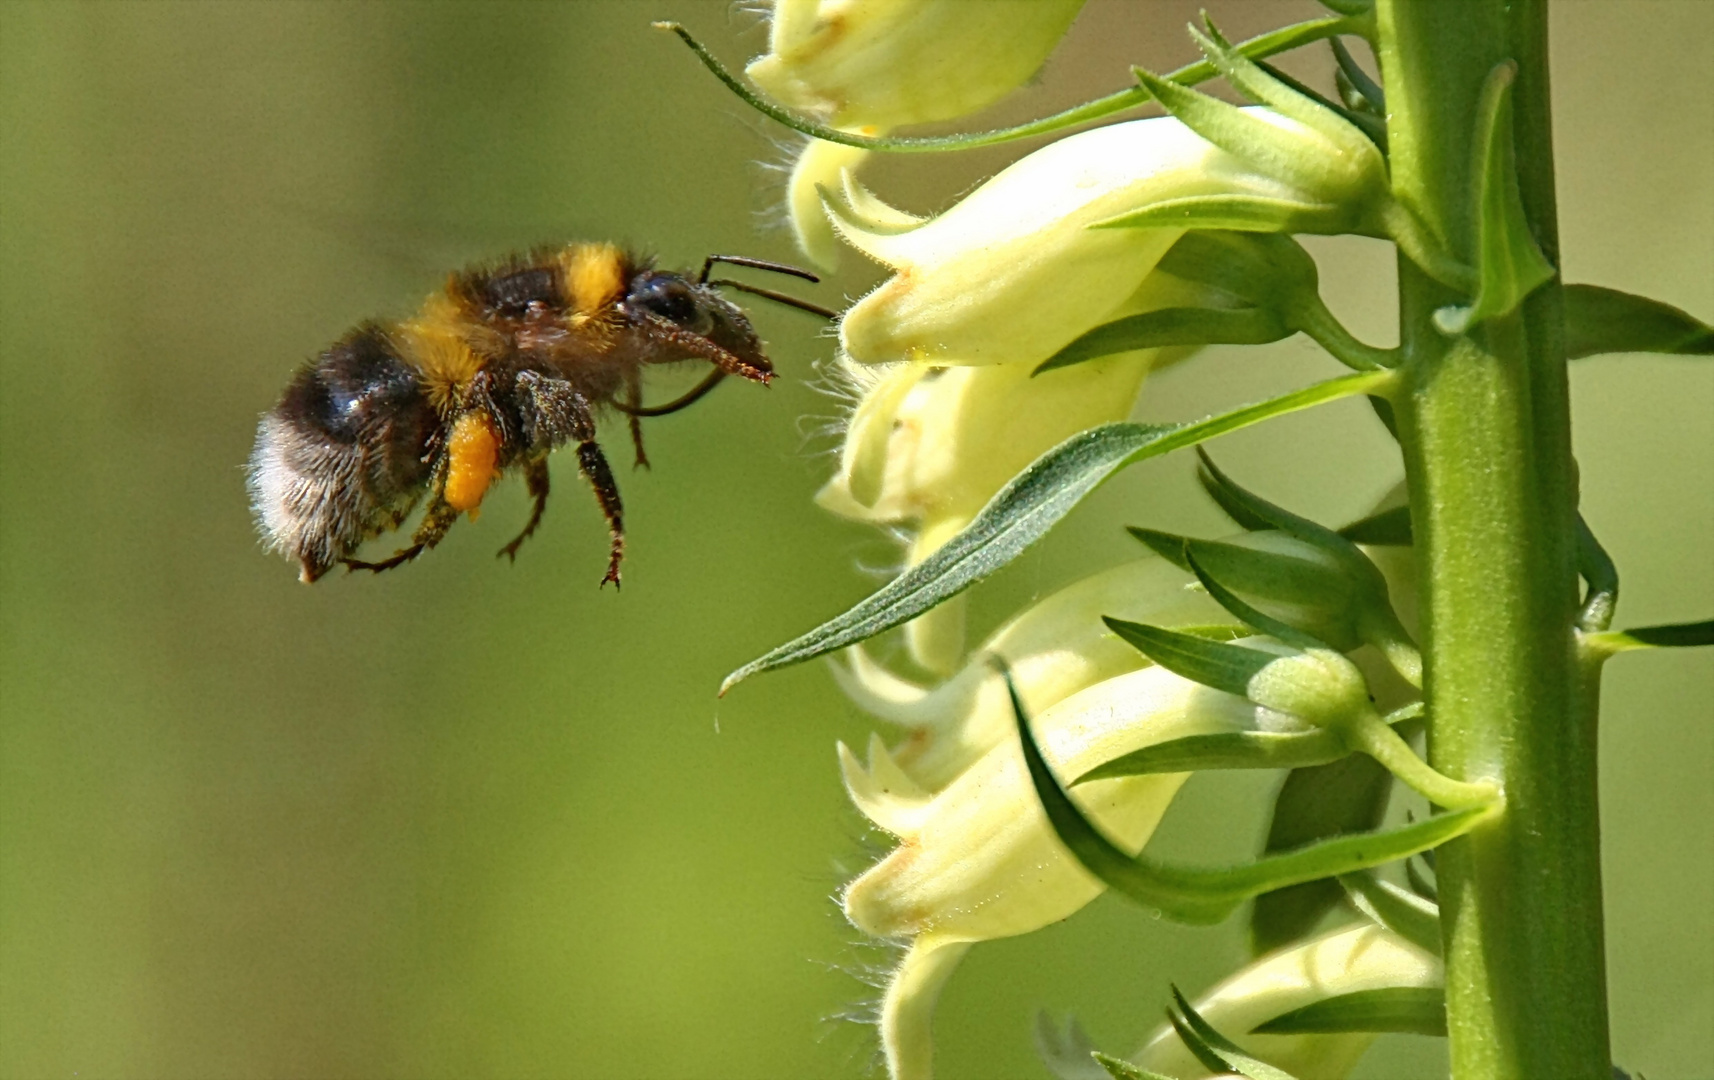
(536, 477)
(593, 462)
(634, 399)
(437, 519)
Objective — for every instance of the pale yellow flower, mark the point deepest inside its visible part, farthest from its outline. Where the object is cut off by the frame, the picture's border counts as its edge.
(869, 66)
(1014, 271)
(1345, 961)
(979, 860)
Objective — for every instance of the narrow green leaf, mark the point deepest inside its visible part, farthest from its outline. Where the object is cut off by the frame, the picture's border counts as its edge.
(1510, 265)
(1387, 528)
(1245, 612)
(1599, 320)
(1406, 914)
(1243, 213)
(1210, 1043)
(1227, 750)
(1404, 1010)
(1208, 895)
(1597, 569)
(1026, 508)
(1672, 636)
(1417, 869)
(1211, 663)
(1172, 326)
(1349, 7)
(1120, 1069)
(1340, 798)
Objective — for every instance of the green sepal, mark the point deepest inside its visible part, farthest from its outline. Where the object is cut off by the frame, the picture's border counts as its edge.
(1120, 1069)
(1215, 1051)
(1417, 870)
(1278, 41)
(1599, 320)
(1242, 213)
(1172, 326)
(1596, 567)
(1168, 546)
(1205, 896)
(1025, 509)
(1340, 798)
(1365, 93)
(1210, 663)
(1388, 528)
(1670, 636)
(1068, 1055)
(1243, 135)
(1228, 750)
(1255, 267)
(1277, 577)
(1509, 263)
(1403, 1010)
(1250, 510)
(1266, 85)
(1410, 916)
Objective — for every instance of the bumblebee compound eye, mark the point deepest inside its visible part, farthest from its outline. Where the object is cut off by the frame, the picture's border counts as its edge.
(668, 296)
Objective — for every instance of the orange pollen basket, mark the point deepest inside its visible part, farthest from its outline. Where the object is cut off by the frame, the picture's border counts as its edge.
(472, 450)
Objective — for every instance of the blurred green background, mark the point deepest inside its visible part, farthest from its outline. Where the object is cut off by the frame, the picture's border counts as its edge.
(479, 820)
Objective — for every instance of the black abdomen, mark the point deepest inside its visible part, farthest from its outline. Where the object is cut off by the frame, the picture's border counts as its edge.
(341, 457)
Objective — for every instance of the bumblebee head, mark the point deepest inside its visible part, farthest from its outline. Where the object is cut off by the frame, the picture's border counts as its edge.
(686, 316)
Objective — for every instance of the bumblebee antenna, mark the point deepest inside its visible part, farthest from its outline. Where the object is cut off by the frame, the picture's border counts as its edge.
(754, 264)
(778, 298)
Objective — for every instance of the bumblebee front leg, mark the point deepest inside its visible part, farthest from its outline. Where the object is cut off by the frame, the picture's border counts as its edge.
(634, 399)
(536, 478)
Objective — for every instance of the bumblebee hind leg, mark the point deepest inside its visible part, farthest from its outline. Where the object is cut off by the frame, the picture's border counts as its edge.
(536, 477)
(593, 463)
(437, 519)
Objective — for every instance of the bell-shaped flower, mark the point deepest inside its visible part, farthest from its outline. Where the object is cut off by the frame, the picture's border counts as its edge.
(1348, 961)
(887, 63)
(1055, 648)
(979, 860)
(1015, 271)
(869, 66)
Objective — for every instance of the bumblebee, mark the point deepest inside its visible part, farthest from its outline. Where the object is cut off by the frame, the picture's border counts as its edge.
(503, 365)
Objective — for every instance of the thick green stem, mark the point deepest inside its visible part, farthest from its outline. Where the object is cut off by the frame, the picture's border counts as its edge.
(1485, 424)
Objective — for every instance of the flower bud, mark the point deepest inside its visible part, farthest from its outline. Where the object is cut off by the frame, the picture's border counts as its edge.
(1014, 272)
(1346, 961)
(887, 63)
(1317, 685)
